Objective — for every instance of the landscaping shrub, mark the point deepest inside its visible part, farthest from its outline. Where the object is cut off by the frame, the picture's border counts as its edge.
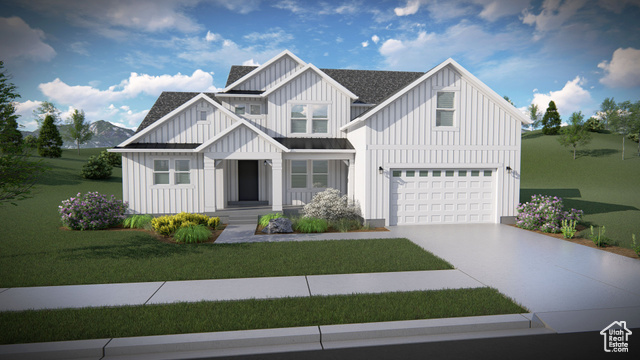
(114, 159)
(311, 225)
(192, 233)
(545, 213)
(635, 246)
(594, 125)
(138, 222)
(568, 228)
(344, 225)
(92, 211)
(329, 205)
(600, 240)
(169, 224)
(97, 168)
(264, 219)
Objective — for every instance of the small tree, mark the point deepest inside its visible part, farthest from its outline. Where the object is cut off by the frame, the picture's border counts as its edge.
(10, 137)
(46, 108)
(49, 141)
(551, 120)
(97, 168)
(575, 134)
(534, 115)
(79, 130)
(17, 176)
(594, 124)
(625, 120)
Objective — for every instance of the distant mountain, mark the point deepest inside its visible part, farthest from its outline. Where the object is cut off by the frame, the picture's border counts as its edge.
(105, 134)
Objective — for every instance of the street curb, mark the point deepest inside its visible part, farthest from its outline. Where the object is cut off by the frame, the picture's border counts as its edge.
(280, 340)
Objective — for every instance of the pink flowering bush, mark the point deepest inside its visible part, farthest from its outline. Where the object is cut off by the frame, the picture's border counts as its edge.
(92, 211)
(545, 213)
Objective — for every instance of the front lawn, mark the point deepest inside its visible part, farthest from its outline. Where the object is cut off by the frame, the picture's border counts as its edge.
(180, 318)
(598, 181)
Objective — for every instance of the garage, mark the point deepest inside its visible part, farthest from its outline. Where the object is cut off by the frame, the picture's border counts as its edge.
(438, 196)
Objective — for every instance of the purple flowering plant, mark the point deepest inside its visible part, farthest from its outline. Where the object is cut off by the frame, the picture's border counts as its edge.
(545, 213)
(92, 211)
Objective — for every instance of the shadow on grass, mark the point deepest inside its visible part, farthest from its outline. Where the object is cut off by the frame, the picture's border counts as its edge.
(596, 152)
(138, 247)
(568, 197)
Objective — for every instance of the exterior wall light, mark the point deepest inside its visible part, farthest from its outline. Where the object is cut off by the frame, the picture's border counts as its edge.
(509, 169)
(380, 170)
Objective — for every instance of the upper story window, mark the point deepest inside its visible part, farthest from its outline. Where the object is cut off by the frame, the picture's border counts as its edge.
(162, 171)
(240, 109)
(248, 109)
(203, 116)
(445, 108)
(309, 119)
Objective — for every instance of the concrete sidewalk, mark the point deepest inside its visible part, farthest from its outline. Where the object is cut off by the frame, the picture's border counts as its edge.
(79, 296)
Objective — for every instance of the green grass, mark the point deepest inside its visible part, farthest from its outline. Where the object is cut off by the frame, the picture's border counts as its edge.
(598, 181)
(100, 323)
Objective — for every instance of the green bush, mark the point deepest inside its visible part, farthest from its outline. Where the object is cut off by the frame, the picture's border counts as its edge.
(311, 225)
(138, 222)
(214, 222)
(594, 125)
(600, 240)
(344, 225)
(114, 159)
(264, 219)
(192, 234)
(97, 168)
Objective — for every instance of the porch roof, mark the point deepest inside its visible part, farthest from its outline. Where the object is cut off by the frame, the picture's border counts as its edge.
(315, 143)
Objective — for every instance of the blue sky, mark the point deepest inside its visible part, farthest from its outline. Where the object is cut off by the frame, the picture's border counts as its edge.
(113, 58)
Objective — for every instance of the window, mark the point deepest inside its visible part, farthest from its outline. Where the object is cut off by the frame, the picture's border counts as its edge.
(317, 171)
(203, 116)
(445, 108)
(487, 173)
(240, 109)
(182, 172)
(462, 173)
(160, 172)
(397, 173)
(436, 173)
(411, 173)
(309, 119)
(254, 110)
(449, 173)
(320, 173)
(475, 173)
(424, 173)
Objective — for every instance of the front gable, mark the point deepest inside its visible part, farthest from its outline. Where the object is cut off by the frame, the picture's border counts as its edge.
(241, 140)
(269, 74)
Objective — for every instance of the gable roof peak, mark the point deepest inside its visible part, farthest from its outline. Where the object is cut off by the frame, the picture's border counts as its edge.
(263, 66)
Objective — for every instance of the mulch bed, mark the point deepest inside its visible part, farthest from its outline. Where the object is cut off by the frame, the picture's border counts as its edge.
(586, 242)
(162, 238)
(329, 230)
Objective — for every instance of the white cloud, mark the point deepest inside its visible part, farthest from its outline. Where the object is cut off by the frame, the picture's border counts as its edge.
(212, 36)
(274, 37)
(552, 16)
(79, 47)
(250, 62)
(290, 5)
(339, 40)
(572, 97)
(375, 39)
(411, 8)
(493, 10)
(25, 112)
(464, 40)
(20, 41)
(623, 70)
(365, 44)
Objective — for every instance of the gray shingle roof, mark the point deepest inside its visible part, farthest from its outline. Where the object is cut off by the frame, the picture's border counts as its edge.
(315, 143)
(166, 103)
(371, 86)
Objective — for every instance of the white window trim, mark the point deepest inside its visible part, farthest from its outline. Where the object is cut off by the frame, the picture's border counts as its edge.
(309, 174)
(203, 107)
(247, 109)
(309, 132)
(172, 172)
(456, 108)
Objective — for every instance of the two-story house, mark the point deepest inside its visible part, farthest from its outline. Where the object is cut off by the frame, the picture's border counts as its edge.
(410, 147)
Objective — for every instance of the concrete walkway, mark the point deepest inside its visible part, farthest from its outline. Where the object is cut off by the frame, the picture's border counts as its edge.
(233, 234)
(79, 296)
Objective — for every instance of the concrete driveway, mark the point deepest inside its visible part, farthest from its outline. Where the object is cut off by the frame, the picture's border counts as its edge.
(569, 286)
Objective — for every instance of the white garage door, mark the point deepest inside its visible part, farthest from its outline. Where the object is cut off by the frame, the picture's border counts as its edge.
(420, 196)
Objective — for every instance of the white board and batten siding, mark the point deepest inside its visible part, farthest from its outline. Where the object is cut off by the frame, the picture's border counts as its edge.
(404, 135)
(270, 76)
(146, 198)
(308, 88)
(186, 127)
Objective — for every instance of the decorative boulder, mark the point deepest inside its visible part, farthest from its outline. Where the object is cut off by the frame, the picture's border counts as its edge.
(278, 226)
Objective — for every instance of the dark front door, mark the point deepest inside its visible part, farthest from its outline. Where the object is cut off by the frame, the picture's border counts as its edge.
(247, 180)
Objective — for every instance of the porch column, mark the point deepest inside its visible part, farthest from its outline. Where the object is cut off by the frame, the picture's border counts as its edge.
(351, 180)
(276, 184)
(209, 185)
(221, 194)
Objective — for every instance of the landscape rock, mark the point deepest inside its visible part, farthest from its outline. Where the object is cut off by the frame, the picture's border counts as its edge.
(278, 226)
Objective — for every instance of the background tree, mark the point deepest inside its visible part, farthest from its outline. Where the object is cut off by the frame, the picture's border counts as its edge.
(509, 100)
(551, 120)
(79, 130)
(10, 136)
(607, 109)
(534, 115)
(575, 134)
(49, 141)
(46, 108)
(624, 119)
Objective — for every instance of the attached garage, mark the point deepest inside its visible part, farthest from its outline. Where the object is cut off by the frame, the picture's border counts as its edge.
(440, 196)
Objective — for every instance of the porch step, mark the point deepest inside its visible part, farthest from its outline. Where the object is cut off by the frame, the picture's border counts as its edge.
(243, 219)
